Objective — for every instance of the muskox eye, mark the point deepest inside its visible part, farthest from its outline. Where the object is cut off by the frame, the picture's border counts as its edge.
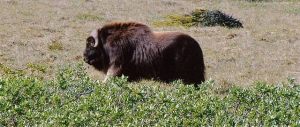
(91, 41)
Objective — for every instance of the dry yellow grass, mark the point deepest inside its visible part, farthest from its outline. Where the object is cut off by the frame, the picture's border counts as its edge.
(267, 48)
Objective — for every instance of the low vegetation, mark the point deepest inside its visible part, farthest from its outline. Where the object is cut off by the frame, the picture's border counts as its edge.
(214, 18)
(200, 17)
(55, 46)
(73, 99)
(175, 20)
(7, 70)
(37, 67)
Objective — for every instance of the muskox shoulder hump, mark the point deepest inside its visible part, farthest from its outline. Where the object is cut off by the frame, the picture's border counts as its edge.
(130, 31)
(126, 27)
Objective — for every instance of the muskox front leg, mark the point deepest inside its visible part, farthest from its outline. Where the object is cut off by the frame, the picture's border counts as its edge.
(113, 70)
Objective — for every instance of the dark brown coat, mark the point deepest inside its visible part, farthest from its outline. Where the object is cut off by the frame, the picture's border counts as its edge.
(133, 50)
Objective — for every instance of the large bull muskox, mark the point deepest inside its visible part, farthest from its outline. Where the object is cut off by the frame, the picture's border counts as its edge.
(133, 50)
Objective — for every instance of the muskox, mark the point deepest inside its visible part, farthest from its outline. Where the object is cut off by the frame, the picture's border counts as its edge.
(133, 50)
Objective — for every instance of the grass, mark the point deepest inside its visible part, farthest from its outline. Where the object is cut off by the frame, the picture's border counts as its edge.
(37, 67)
(55, 46)
(89, 17)
(7, 70)
(72, 98)
(175, 20)
(295, 11)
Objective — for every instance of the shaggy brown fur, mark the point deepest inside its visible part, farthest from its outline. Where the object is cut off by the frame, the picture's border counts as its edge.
(132, 49)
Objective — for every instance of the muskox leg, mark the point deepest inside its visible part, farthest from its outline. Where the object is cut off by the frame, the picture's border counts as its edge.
(113, 70)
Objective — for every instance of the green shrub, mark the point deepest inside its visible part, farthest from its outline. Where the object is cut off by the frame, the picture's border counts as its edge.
(214, 18)
(200, 17)
(73, 99)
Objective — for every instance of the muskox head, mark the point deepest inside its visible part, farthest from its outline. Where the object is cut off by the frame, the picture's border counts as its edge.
(94, 53)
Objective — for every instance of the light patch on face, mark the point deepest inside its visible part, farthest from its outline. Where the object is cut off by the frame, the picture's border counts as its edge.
(94, 34)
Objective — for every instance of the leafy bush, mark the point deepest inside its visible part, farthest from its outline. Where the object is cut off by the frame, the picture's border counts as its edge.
(73, 99)
(214, 18)
(200, 17)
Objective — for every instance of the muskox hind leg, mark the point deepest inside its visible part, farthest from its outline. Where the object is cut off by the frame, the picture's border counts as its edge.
(189, 62)
(113, 70)
(194, 70)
